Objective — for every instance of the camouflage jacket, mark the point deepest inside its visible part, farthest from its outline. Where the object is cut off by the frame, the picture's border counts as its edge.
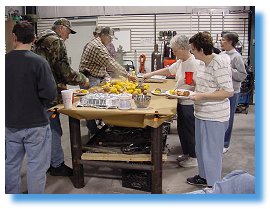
(53, 49)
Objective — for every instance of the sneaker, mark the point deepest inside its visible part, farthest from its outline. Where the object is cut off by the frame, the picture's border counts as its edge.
(197, 180)
(62, 170)
(225, 149)
(182, 158)
(189, 162)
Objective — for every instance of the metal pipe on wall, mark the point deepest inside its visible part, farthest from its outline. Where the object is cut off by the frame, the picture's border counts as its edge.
(223, 17)
(211, 22)
(31, 11)
(198, 22)
(155, 28)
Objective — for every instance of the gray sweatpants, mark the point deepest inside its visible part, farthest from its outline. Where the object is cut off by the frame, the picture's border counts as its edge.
(209, 140)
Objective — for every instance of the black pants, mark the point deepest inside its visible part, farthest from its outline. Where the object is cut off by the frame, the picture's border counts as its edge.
(92, 126)
(186, 128)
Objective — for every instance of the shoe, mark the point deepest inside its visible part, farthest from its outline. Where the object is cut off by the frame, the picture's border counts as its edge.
(197, 180)
(62, 170)
(225, 149)
(189, 162)
(181, 158)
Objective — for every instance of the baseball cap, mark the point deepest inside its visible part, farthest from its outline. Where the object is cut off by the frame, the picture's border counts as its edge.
(108, 31)
(65, 22)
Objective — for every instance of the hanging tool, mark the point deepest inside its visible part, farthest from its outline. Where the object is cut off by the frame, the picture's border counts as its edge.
(142, 59)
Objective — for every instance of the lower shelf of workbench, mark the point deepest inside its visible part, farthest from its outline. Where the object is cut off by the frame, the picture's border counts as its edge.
(119, 157)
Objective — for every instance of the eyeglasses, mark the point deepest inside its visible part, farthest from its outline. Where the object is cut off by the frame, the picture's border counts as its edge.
(109, 37)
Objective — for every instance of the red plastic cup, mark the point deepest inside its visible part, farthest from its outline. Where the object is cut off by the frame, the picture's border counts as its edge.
(188, 77)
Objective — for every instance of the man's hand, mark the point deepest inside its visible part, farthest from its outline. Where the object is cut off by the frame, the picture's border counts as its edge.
(85, 85)
(61, 87)
(131, 78)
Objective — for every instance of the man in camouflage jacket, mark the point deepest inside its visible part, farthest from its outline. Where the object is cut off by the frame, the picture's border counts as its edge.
(51, 46)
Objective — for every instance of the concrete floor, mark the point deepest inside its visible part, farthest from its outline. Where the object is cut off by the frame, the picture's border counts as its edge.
(108, 181)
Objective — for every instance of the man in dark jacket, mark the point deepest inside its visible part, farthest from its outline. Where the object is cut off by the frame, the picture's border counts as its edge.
(51, 46)
(30, 87)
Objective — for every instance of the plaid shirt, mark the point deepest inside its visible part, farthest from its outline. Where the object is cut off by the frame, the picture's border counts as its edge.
(96, 59)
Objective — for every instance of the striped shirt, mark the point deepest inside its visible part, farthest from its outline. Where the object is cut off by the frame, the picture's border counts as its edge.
(214, 77)
(96, 59)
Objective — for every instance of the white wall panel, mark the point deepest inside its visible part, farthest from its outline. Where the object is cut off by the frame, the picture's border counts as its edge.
(47, 11)
(142, 29)
(142, 34)
(44, 24)
(68, 11)
(232, 22)
(120, 10)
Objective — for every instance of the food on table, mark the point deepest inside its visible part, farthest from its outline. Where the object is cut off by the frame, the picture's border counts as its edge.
(117, 87)
(81, 91)
(145, 92)
(157, 91)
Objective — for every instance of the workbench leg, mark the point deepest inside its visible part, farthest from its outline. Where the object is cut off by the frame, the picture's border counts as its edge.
(76, 152)
(156, 155)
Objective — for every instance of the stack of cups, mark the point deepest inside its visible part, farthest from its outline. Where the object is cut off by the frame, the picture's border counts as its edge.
(67, 96)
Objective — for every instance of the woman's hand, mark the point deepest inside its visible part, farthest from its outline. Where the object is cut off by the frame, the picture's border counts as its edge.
(197, 96)
(147, 75)
(216, 95)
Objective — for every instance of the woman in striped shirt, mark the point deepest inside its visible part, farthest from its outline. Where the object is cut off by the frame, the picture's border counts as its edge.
(211, 109)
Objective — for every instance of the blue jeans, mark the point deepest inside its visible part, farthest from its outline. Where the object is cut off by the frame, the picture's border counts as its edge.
(233, 105)
(36, 144)
(57, 155)
(91, 124)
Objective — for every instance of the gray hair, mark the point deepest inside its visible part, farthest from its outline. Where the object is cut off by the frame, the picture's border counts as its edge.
(180, 42)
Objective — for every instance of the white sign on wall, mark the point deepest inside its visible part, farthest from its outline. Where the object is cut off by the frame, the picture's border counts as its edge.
(147, 41)
(124, 37)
